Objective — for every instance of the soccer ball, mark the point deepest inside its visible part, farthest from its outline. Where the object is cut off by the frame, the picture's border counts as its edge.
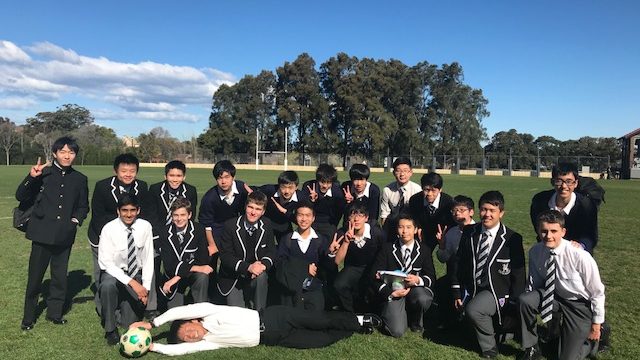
(135, 342)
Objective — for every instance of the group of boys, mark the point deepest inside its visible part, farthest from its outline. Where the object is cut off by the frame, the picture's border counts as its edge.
(245, 252)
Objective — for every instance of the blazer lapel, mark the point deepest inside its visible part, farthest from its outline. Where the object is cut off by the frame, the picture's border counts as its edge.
(114, 189)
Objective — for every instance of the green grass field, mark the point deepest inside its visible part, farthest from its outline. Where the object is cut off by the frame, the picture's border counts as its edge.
(82, 337)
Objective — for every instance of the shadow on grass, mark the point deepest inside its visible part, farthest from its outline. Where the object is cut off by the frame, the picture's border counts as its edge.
(77, 280)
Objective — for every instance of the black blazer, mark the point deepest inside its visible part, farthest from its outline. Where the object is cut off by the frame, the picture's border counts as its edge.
(366, 255)
(506, 265)
(429, 223)
(390, 258)
(65, 195)
(158, 203)
(237, 251)
(292, 266)
(581, 223)
(104, 204)
(372, 202)
(178, 260)
(215, 212)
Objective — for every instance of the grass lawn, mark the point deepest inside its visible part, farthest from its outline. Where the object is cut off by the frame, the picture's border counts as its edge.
(82, 337)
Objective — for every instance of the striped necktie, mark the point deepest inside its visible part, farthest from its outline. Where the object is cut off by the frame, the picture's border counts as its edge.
(172, 198)
(432, 210)
(546, 312)
(407, 258)
(401, 201)
(483, 256)
(131, 257)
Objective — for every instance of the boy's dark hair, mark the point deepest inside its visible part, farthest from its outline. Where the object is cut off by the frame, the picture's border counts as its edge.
(175, 164)
(306, 204)
(257, 197)
(359, 208)
(402, 160)
(128, 199)
(564, 168)
(359, 172)
(326, 173)
(550, 217)
(492, 197)
(179, 203)
(223, 166)
(405, 215)
(288, 177)
(127, 158)
(465, 201)
(431, 179)
(172, 337)
(65, 140)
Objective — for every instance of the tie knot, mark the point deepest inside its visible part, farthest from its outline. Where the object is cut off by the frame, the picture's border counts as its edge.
(552, 252)
(129, 229)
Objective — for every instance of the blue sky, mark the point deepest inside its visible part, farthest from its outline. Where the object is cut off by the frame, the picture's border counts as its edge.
(561, 68)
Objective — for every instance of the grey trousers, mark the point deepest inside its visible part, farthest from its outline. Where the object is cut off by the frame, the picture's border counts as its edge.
(574, 328)
(401, 313)
(152, 300)
(252, 295)
(115, 295)
(480, 310)
(198, 283)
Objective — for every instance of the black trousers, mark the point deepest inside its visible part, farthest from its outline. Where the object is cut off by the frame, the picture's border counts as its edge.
(348, 286)
(43, 256)
(303, 329)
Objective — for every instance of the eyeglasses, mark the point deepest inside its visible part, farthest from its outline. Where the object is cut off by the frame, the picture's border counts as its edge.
(568, 182)
(357, 215)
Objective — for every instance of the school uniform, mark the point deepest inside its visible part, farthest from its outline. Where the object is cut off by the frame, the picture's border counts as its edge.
(429, 216)
(401, 313)
(580, 216)
(229, 326)
(577, 295)
(500, 281)
(295, 254)
(328, 207)
(52, 231)
(240, 245)
(280, 222)
(181, 250)
(393, 200)
(124, 253)
(370, 198)
(104, 208)
(215, 209)
(160, 199)
(354, 278)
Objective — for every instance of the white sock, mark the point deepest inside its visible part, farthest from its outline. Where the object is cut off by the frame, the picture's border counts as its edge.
(360, 319)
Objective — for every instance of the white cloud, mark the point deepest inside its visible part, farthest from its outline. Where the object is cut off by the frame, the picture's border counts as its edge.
(145, 90)
(16, 103)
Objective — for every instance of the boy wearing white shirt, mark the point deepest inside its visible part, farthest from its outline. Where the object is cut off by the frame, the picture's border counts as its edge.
(563, 281)
(125, 257)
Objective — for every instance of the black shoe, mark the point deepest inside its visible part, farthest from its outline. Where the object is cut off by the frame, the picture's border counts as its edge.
(531, 353)
(416, 328)
(371, 320)
(27, 327)
(490, 354)
(57, 321)
(151, 314)
(113, 337)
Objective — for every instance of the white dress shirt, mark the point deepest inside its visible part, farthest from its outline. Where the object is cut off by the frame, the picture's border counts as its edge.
(391, 196)
(566, 209)
(227, 326)
(304, 243)
(113, 250)
(577, 275)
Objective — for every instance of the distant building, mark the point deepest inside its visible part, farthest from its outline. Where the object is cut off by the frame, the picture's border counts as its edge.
(630, 156)
(129, 141)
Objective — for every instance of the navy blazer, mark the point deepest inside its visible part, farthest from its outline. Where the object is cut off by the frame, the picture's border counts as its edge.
(158, 203)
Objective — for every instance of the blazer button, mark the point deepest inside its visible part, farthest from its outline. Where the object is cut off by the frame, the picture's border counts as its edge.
(59, 206)
(58, 217)
(61, 185)
(60, 195)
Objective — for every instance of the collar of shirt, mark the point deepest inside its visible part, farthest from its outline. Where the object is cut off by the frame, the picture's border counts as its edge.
(409, 246)
(493, 231)
(252, 227)
(60, 167)
(234, 191)
(366, 234)
(365, 192)
(328, 193)
(436, 202)
(294, 197)
(566, 209)
(124, 226)
(312, 235)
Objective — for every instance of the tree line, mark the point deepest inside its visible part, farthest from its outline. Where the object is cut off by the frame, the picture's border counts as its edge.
(365, 108)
